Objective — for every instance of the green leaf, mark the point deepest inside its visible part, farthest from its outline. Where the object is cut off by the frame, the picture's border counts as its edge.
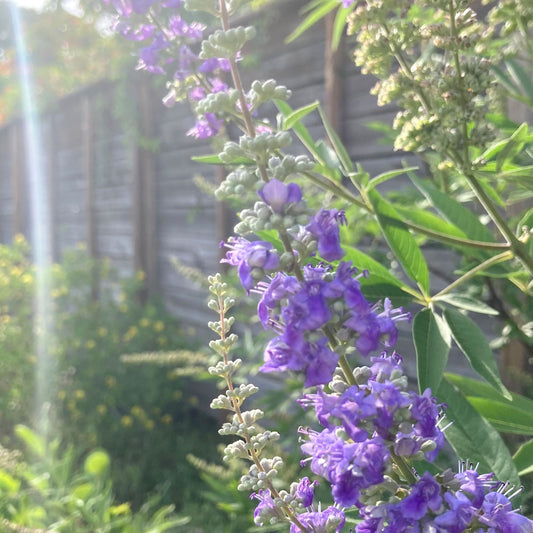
(469, 303)
(301, 131)
(513, 146)
(521, 77)
(474, 345)
(523, 458)
(364, 262)
(8, 483)
(427, 219)
(385, 176)
(453, 211)
(474, 387)
(505, 417)
(337, 144)
(400, 240)
(375, 292)
(297, 115)
(432, 345)
(35, 443)
(473, 438)
(339, 25)
(314, 16)
(214, 159)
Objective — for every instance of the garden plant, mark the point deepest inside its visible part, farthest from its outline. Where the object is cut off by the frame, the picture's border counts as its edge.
(375, 447)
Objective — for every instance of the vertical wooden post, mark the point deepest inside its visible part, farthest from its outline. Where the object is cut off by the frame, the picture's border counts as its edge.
(18, 220)
(144, 196)
(148, 202)
(332, 80)
(88, 172)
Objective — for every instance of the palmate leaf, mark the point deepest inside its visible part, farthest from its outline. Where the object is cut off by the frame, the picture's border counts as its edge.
(473, 438)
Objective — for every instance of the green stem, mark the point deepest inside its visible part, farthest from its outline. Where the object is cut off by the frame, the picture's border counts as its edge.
(404, 468)
(505, 256)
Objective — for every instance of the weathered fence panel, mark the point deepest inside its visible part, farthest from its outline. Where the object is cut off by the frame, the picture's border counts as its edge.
(140, 207)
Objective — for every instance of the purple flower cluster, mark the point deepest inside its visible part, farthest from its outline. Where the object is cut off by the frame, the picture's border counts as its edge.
(299, 311)
(249, 256)
(170, 47)
(467, 501)
(329, 520)
(365, 424)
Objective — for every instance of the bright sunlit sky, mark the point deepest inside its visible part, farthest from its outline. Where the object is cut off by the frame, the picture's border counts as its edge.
(72, 6)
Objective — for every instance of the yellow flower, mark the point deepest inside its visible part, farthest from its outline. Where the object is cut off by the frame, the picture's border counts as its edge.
(144, 322)
(79, 394)
(159, 326)
(137, 411)
(61, 395)
(149, 425)
(101, 409)
(126, 421)
(161, 340)
(131, 333)
(102, 332)
(123, 308)
(140, 275)
(90, 344)
(166, 419)
(27, 278)
(110, 381)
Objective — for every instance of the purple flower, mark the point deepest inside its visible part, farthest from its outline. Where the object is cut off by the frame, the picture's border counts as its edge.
(277, 195)
(141, 7)
(249, 255)
(214, 63)
(497, 513)
(423, 496)
(325, 227)
(266, 509)
(305, 491)
(331, 520)
(347, 3)
(206, 127)
(459, 515)
(280, 287)
(308, 309)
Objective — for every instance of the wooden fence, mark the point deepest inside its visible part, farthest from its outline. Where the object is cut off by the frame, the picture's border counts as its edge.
(140, 207)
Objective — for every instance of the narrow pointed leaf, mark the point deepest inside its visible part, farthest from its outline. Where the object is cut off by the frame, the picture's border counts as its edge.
(427, 219)
(505, 417)
(314, 16)
(473, 438)
(339, 25)
(385, 176)
(469, 303)
(523, 458)
(432, 344)
(214, 159)
(473, 387)
(298, 115)
(400, 240)
(453, 211)
(472, 342)
(337, 144)
(301, 131)
(364, 262)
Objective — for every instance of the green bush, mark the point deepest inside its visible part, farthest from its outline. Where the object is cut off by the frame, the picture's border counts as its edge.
(51, 490)
(140, 414)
